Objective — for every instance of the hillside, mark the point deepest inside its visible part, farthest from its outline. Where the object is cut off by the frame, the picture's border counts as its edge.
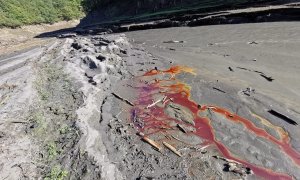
(14, 13)
(112, 11)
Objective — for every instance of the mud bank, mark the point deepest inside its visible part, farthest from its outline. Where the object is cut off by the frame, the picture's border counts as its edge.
(122, 112)
(151, 107)
(266, 13)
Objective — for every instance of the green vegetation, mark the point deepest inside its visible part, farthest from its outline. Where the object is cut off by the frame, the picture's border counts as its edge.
(52, 150)
(14, 13)
(57, 173)
(113, 11)
(52, 118)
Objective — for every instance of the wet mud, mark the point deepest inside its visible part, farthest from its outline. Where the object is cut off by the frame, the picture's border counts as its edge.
(160, 124)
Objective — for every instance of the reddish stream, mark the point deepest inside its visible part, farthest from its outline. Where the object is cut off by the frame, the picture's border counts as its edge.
(155, 120)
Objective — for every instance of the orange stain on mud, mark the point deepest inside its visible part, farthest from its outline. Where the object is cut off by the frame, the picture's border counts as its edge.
(173, 71)
(156, 120)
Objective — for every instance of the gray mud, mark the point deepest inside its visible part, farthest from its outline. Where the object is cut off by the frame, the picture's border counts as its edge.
(72, 102)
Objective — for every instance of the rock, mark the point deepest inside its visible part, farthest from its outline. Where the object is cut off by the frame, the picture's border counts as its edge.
(90, 61)
(101, 57)
(67, 35)
(76, 45)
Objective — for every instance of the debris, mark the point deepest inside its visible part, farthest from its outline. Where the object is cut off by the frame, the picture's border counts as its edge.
(181, 128)
(225, 159)
(117, 115)
(172, 49)
(248, 91)
(252, 42)
(101, 57)
(154, 103)
(67, 35)
(177, 139)
(233, 167)
(137, 121)
(7, 86)
(204, 147)
(164, 99)
(219, 90)
(123, 99)
(19, 122)
(152, 143)
(169, 146)
(230, 69)
(76, 45)
(173, 41)
(268, 78)
(283, 117)
(244, 68)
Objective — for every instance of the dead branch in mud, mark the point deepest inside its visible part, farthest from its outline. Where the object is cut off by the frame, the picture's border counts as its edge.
(123, 99)
(227, 160)
(152, 143)
(181, 128)
(169, 146)
(156, 102)
(19, 122)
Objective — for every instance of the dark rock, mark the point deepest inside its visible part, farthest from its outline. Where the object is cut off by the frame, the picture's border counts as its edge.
(76, 45)
(101, 57)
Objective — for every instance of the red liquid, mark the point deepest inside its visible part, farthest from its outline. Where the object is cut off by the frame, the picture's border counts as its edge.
(155, 120)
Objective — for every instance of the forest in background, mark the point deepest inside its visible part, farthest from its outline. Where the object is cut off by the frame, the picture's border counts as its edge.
(15, 13)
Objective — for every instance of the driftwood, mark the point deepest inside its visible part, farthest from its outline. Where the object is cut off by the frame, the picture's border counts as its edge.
(283, 117)
(181, 128)
(172, 41)
(220, 90)
(151, 142)
(169, 146)
(156, 102)
(123, 99)
(227, 160)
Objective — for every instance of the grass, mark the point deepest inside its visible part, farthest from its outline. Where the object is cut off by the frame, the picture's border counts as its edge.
(52, 150)
(52, 118)
(56, 173)
(15, 13)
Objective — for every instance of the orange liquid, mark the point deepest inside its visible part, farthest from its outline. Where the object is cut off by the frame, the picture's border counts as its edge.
(155, 119)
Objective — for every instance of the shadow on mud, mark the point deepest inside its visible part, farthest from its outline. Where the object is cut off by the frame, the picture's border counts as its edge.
(279, 13)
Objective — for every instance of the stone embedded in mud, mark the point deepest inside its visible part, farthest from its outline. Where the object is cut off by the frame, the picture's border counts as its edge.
(90, 61)
(93, 66)
(76, 45)
(101, 57)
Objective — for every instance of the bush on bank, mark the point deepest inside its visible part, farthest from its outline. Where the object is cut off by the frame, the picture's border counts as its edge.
(15, 13)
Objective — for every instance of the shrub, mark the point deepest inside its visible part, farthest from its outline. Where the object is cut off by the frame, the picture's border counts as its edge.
(14, 13)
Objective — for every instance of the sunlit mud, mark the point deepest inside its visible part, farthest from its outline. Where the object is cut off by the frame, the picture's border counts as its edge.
(161, 89)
